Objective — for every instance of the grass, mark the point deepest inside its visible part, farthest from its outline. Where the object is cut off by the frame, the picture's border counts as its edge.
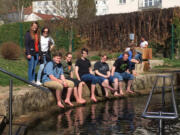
(169, 63)
(18, 67)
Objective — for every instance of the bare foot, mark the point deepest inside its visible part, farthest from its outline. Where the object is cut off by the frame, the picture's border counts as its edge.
(121, 93)
(130, 91)
(113, 90)
(68, 102)
(117, 95)
(81, 101)
(93, 99)
(60, 104)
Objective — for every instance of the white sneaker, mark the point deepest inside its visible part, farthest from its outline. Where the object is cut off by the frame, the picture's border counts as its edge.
(38, 83)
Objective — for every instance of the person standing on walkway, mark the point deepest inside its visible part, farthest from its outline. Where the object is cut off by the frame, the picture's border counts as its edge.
(144, 43)
(32, 38)
(68, 73)
(46, 44)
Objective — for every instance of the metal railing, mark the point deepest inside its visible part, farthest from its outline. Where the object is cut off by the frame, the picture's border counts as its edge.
(161, 115)
(11, 94)
(24, 80)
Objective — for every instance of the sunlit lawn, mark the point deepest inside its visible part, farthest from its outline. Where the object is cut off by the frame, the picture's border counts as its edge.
(18, 67)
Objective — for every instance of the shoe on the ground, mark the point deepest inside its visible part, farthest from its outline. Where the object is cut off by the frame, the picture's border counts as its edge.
(38, 83)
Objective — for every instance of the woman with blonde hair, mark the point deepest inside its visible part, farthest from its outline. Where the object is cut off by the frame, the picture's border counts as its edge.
(32, 38)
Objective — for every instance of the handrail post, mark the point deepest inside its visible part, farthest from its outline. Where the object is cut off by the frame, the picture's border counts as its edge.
(10, 106)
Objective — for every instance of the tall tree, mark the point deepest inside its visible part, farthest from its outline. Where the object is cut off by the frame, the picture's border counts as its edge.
(86, 10)
(16, 6)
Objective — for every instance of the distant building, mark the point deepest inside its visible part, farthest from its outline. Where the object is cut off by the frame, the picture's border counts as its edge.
(104, 7)
(101, 7)
(56, 7)
(29, 15)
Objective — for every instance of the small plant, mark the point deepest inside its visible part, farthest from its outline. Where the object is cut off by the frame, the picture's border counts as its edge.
(10, 51)
(95, 58)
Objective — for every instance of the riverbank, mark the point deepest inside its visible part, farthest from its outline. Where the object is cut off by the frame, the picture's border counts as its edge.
(28, 99)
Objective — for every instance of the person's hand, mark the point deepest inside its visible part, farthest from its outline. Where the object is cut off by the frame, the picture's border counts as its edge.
(134, 61)
(83, 83)
(65, 84)
(128, 71)
(108, 76)
(28, 56)
(105, 76)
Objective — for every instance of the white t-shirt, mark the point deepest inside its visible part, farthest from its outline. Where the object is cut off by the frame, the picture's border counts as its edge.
(45, 43)
(143, 44)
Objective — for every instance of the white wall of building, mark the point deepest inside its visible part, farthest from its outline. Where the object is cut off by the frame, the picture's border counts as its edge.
(115, 6)
(31, 17)
(101, 7)
(126, 6)
(45, 7)
(170, 3)
(55, 7)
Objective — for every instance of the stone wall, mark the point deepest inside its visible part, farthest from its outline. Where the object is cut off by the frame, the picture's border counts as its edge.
(29, 99)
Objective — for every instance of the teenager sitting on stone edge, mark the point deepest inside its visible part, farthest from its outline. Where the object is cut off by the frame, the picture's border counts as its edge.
(103, 74)
(84, 72)
(120, 70)
(68, 73)
(53, 78)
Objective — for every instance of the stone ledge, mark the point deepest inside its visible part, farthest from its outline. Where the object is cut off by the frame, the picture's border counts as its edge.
(29, 99)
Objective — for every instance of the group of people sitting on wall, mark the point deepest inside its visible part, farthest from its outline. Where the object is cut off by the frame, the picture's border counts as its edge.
(57, 73)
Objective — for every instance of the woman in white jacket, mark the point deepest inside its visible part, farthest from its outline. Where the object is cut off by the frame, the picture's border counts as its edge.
(46, 44)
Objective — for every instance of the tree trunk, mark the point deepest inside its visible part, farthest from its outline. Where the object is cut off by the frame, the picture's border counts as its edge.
(70, 38)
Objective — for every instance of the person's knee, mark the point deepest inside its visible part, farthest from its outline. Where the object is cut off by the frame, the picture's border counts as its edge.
(106, 82)
(94, 80)
(70, 84)
(115, 80)
(120, 78)
(131, 77)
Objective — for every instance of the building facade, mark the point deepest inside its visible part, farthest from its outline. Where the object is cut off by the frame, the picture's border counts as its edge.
(126, 6)
(63, 8)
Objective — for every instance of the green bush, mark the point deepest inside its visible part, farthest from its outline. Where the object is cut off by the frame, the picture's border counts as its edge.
(95, 58)
(14, 32)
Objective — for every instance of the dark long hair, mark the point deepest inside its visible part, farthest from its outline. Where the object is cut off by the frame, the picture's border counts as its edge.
(32, 33)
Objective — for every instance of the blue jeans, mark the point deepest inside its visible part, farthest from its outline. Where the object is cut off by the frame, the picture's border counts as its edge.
(89, 78)
(41, 67)
(32, 63)
(138, 57)
(123, 76)
(131, 65)
(101, 79)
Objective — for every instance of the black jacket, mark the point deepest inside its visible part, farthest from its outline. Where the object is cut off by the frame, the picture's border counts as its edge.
(29, 44)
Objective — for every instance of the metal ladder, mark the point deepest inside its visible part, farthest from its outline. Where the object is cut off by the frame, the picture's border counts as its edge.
(161, 115)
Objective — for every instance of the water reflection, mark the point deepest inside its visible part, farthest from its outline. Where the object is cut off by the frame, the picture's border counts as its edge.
(118, 117)
(115, 117)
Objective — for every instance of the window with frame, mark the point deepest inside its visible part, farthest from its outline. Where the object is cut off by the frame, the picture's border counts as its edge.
(46, 11)
(54, 3)
(148, 3)
(46, 3)
(122, 1)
